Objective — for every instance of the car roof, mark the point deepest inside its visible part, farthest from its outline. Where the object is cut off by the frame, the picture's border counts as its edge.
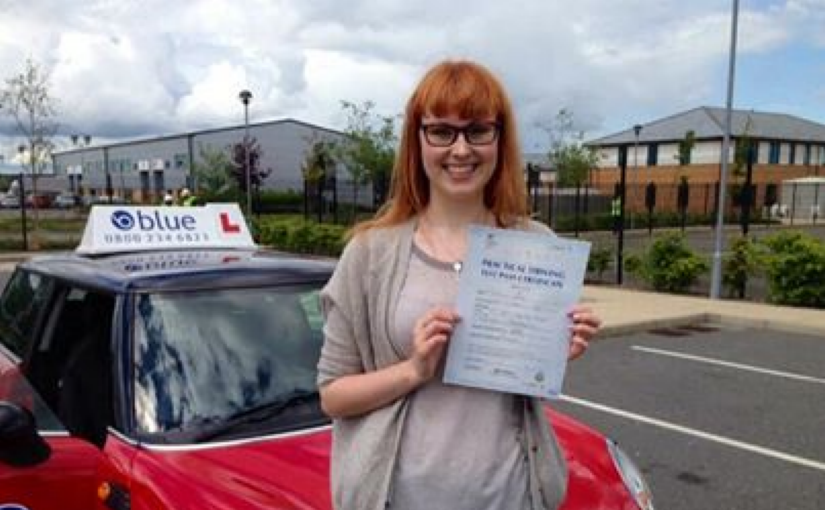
(181, 269)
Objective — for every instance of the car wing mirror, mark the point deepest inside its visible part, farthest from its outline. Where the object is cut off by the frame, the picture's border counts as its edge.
(20, 444)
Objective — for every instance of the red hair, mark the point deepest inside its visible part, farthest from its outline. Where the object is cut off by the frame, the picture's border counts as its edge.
(470, 91)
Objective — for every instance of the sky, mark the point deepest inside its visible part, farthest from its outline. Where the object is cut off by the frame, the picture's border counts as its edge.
(128, 69)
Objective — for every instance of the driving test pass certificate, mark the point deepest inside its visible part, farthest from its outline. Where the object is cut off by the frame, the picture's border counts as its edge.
(514, 293)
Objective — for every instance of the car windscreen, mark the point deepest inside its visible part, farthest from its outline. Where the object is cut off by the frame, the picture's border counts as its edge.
(226, 363)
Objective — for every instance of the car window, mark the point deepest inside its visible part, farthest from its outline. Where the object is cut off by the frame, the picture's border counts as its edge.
(70, 366)
(205, 356)
(22, 305)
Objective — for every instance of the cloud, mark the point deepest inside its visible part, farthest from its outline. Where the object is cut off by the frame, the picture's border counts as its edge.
(134, 68)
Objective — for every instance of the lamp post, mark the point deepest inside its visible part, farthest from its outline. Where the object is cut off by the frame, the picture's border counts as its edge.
(716, 273)
(21, 187)
(245, 97)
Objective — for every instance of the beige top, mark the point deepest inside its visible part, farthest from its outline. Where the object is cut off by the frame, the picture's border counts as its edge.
(462, 447)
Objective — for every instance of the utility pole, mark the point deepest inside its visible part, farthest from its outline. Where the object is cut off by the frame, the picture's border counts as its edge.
(716, 276)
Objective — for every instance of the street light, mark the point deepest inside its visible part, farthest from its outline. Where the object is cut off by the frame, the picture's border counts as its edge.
(245, 97)
(21, 187)
(716, 273)
(637, 129)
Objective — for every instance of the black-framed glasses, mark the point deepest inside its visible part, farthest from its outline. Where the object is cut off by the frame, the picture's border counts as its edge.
(477, 133)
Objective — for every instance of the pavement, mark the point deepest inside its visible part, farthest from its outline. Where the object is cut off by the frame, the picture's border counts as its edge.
(627, 310)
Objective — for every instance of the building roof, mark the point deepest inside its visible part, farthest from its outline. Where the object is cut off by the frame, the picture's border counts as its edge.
(161, 138)
(709, 123)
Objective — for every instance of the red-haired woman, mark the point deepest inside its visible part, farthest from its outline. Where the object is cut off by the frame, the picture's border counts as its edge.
(401, 438)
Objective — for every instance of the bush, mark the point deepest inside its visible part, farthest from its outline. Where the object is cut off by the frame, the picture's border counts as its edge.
(294, 234)
(795, 269)
(668, 265)
(599, 260)
(743, 261)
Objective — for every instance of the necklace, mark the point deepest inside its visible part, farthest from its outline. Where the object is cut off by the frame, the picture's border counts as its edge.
(443, 245)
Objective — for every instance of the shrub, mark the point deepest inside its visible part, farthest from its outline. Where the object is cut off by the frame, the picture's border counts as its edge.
(599, 260)
(743, 261)
(795, 269)
(294, 234)
(668, 265)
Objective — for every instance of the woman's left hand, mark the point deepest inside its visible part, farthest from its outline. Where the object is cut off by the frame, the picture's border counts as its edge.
(585, 326)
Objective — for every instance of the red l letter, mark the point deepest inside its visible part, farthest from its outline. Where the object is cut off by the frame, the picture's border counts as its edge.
(227, 226)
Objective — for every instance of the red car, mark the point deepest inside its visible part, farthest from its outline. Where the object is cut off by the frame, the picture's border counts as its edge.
(185, 379)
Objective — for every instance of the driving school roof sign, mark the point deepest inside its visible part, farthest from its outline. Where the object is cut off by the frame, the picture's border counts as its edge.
(113, 229)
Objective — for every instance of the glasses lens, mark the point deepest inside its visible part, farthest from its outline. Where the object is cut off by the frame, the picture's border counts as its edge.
(440, 135)
(481, 134)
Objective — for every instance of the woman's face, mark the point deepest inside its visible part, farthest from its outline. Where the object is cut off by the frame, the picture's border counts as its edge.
(459, 155)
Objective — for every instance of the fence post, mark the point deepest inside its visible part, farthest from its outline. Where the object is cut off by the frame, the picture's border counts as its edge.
(622, 196)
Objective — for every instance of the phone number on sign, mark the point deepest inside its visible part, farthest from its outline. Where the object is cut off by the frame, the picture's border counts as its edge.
(156, 237)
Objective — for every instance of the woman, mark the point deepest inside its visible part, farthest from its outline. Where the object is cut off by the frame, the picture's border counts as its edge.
(402, 439)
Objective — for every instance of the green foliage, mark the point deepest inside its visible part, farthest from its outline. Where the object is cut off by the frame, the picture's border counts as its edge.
(743, 261)
(742, 151)
(571, 159)
(795, 268)
(213, 174)
(686, 148)
(368, 151)
(668, 265)
(296, 235)
(599, 261)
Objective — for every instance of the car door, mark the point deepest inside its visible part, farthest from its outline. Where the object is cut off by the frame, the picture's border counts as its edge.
(64, 476)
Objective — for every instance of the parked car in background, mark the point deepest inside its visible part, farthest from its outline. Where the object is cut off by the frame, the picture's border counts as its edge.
(66, 201)
(40, 200)
(90, 200)
(170, 364)
(9, 201)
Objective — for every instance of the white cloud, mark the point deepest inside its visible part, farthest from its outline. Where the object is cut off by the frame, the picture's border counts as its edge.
(137, 67)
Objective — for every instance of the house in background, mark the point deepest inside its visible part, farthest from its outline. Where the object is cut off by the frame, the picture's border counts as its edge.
(784, 147)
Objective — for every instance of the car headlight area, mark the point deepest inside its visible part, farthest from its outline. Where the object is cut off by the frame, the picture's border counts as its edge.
(631, 476)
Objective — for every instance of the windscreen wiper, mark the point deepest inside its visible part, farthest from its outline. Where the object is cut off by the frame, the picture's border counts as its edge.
(223, 426)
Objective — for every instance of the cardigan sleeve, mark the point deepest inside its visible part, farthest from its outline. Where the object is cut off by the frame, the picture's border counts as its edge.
(343, 303)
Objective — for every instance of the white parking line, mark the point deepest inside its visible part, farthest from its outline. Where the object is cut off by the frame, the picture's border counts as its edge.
(740, 366)
(766, 452)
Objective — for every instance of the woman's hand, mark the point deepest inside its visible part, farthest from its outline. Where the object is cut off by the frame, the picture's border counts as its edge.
(585, 326)
(430, 336)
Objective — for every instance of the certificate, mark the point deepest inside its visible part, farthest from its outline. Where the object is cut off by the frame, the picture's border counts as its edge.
(514, 293)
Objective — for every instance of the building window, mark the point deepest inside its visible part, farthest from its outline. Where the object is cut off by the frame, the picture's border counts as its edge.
(806, 158)
(792, 156)
(773, 153)
(652, 154)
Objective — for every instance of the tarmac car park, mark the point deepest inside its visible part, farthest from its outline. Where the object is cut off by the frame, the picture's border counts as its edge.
(168, 363)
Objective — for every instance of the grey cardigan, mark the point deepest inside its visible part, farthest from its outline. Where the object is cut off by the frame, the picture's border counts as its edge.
(358, 303)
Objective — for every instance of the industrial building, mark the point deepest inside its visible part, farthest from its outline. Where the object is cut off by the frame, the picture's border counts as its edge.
(142, 171)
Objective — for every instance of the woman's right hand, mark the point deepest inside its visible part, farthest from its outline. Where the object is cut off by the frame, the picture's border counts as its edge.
(357, 394)
(430, 336)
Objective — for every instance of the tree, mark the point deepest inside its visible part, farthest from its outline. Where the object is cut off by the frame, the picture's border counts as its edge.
(248, 152)
(685, 148)
(214, 174)
(27, 100)
(368, 149)
(571, 159)
(318, 162)
(569, 156)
